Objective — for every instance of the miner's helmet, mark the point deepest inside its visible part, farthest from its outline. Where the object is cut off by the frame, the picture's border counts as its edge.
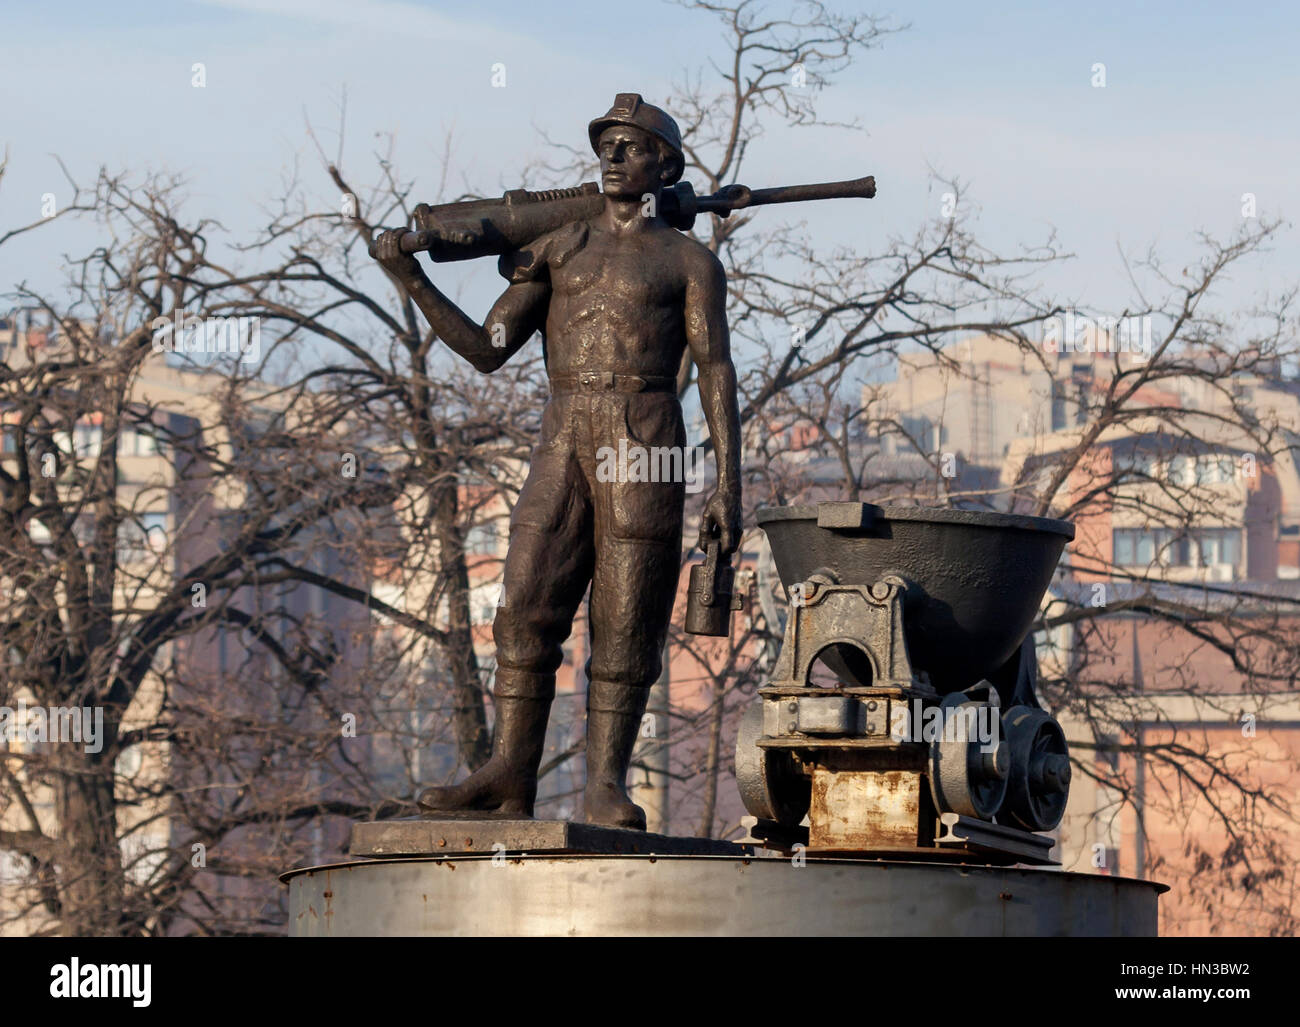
(630, 109)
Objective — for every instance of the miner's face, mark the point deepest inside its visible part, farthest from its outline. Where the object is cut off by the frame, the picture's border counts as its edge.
(630, 162)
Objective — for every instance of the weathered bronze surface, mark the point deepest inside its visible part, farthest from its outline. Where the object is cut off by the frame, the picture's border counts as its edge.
(482, 228)
(619, 298)
(710, 598)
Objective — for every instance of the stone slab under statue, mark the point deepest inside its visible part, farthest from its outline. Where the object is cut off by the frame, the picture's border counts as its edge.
(468, 834)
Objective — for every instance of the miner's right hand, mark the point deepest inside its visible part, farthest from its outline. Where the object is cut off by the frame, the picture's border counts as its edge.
(388, 251)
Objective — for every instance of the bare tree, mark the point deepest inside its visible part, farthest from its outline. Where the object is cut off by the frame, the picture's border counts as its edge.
(350, 378)
(146, 512)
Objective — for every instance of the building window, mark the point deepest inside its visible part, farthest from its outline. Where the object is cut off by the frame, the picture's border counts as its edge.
(923, 432)
(1124, 547)
(1140, 464)
(482, 539)
(1203, 547)
(138, 443)
(86, 441)
(1182, 470)
(1220, 546)
(1145, 546)
(1058, 405)
(142, 537)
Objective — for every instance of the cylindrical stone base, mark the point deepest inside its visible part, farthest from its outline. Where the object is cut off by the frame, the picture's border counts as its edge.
(708, 895)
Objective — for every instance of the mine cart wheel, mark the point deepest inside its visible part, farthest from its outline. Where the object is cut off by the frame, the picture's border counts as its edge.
(968, 776)
(772, 785)
(1040, 770)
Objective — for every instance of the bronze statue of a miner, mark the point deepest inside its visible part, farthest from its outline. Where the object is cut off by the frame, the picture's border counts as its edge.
(618, 297)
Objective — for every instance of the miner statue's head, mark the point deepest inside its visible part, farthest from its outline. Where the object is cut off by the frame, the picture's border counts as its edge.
(639, 146)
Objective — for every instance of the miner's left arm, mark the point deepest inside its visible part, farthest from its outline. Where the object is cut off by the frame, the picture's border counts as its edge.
(710, 343)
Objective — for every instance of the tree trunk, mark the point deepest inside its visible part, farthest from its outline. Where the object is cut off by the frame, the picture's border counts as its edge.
(91, 883)
(712, 762)
(469, 719)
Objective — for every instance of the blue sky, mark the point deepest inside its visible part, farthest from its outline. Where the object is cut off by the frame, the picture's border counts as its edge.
(1199, 108)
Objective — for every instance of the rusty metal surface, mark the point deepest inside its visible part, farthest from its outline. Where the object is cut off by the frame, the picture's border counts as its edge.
(864, 809)
(772, 784)
(708, 896)
(827, 715)
(866, 717)
(856, 629)
(385, 839)
(968, 774)
(922, 615)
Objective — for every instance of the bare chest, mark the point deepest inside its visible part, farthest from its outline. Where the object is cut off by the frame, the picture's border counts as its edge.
(627, 275)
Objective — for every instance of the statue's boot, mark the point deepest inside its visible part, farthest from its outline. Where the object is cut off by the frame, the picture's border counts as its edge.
(613, 723)
(507, 782)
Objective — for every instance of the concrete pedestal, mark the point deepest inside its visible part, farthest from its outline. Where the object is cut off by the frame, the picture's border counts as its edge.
(585, 894)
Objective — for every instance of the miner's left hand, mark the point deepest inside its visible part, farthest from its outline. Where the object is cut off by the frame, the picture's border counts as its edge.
(722, 518)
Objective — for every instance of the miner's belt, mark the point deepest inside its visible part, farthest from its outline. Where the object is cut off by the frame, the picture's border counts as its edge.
(608, 381)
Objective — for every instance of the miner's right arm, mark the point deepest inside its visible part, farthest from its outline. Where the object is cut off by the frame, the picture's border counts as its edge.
(520, 311)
